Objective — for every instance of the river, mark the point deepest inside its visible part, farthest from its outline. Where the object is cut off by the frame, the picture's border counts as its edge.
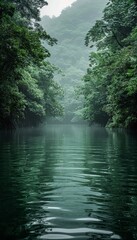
(68, 182)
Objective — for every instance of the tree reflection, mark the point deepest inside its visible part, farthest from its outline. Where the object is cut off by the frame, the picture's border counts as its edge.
(27, 170)
(112, 167)
(68, 177)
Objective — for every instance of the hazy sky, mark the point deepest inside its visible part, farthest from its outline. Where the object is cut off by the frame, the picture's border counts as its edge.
(55, 7)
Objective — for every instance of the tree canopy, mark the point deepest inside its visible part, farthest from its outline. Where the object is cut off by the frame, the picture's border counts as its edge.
(110, 85)
(21, 48)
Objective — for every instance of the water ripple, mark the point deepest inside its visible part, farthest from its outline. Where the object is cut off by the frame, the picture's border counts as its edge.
(56, 236)
(69, 182)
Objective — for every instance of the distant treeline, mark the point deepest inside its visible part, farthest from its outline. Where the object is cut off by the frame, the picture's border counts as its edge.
(110, 84)
(71, 54)
(28, 93)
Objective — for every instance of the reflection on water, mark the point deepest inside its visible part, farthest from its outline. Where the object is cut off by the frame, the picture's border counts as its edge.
(68, 182)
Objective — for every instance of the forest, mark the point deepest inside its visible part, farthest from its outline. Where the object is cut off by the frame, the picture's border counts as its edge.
(28, 93)
(110, 84)
(44, 59)
(70, 54)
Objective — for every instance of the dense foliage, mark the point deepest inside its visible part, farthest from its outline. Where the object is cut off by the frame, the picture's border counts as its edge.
(26, 79)
(110, 85)
(70, 54)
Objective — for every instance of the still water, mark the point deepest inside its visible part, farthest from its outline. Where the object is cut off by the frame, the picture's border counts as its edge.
(68, 182)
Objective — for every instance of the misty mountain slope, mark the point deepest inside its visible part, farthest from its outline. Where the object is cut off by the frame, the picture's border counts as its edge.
(71, 54)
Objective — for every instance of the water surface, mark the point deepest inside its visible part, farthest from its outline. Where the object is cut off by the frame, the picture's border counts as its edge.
(68, 182)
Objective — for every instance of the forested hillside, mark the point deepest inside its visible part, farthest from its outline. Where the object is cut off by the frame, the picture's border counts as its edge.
(28, 93)
(70, 54)
(110, 85)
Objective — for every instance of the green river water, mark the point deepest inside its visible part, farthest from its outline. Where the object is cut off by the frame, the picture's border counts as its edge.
(68, 182)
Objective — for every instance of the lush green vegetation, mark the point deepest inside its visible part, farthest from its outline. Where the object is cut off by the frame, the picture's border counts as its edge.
(71, 54)
(110, 84)
(28, 92)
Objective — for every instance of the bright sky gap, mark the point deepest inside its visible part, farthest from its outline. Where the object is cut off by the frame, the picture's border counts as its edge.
(55, 7)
